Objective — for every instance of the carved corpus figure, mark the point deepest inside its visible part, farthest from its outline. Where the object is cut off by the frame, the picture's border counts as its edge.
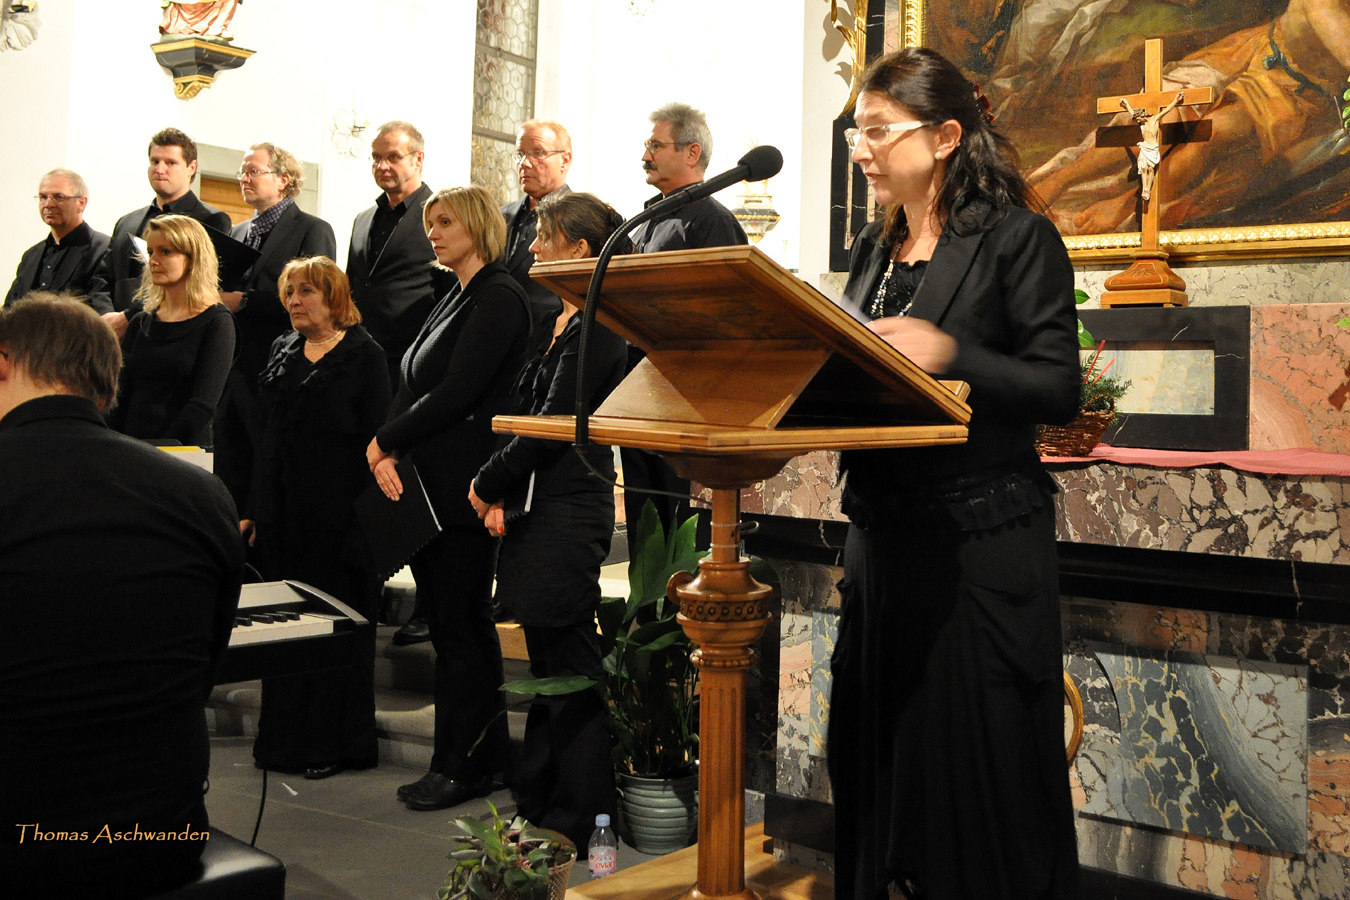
(207, 18)
(1150, 151)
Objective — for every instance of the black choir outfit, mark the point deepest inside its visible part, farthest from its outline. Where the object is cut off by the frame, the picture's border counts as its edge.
(548, 577)
(122, 266)
(393, 275)
(261, 319)
(945, 741)
(68, 267)
(173, 374)
(310, 467)
(119, 570)
(522, 227)
(456, 376)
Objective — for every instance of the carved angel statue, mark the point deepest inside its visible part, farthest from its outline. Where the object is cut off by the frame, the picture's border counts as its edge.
(19, 25)
(206, 18)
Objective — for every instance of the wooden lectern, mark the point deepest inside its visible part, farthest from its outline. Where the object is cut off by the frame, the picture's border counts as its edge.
(746, 368)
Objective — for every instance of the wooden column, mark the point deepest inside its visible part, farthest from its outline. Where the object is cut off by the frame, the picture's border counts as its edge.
(724, 611)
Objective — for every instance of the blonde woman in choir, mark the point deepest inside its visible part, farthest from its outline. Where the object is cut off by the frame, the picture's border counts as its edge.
(945, 741)
(178, 349)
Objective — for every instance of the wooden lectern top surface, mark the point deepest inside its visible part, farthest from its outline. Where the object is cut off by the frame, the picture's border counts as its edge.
(738, 299)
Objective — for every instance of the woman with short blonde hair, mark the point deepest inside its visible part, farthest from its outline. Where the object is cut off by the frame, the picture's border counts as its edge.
(178, 349)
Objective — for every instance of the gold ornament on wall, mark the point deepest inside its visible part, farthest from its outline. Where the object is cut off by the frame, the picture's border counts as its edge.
(196, 43)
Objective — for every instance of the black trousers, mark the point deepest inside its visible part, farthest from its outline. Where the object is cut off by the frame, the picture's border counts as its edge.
(237, 429)
(454, 582)
(566, 775)
(946, 732)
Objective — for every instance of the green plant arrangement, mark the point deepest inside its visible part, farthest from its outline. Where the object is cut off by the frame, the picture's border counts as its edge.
(1084, 336)
(1100, 391)
(507, 861)
(650, 679)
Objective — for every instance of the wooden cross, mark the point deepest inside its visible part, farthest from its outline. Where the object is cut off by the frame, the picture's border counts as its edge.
(1149, 281)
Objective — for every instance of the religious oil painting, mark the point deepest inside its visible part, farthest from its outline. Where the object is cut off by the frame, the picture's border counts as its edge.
(1271, 175)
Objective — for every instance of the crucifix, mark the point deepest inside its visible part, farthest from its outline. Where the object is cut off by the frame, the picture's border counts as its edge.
(1149, 281)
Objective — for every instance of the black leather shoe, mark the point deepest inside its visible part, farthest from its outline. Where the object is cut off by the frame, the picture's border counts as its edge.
(444, 793)
(315, 773)
(414, 631)
(406, 790)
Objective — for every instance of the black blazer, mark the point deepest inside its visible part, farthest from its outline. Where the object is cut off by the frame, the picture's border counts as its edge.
(544, 304)
(263, 319)
(77, 274)
(1005, 293)
(396, 285)
(456, 376)
(121, 268)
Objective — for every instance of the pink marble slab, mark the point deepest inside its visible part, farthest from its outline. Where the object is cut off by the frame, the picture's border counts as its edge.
(1300, 377)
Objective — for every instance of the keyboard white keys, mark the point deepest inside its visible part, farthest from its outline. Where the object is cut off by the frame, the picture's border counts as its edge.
(308, 624)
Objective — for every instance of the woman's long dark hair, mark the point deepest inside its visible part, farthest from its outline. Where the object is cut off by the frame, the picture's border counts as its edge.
(578, 216)
(984, 166)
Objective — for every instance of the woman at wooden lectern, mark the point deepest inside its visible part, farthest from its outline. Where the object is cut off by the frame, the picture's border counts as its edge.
(945, 740)
(455, 377)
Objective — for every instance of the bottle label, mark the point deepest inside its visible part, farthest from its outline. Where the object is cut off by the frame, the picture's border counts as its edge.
(603, 861)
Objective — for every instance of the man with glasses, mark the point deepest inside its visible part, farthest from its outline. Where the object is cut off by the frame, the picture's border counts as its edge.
(391, 266)
(173, 164)
(67, 261)
(390, 261)
(675, 156)
(270, 179)
(543, 156)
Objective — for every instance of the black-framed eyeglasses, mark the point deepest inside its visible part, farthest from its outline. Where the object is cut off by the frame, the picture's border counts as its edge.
(536, 155)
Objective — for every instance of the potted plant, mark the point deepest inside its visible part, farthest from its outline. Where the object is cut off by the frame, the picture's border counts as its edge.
(652, 684)
(507, 861)
(1098, 393)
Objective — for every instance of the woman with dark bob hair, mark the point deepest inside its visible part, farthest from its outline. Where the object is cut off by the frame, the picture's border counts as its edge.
(324, 390)
(456, 376)
(548, 573)
(945, 740)
(177, 351)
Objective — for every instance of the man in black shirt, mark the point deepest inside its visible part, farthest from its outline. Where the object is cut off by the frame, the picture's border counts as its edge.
(119, 573)
(270, 179)
(173, 163)
(543, 156)
(390, 262)
(391, 268)
(67, 261)
(675, 156)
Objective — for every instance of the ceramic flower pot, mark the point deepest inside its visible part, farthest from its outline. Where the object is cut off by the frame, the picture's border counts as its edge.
(660, 815)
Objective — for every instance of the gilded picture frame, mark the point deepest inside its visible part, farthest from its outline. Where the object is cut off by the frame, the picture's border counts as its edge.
(1282, 191)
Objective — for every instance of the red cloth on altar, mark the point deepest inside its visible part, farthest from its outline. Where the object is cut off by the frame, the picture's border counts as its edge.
(1265, 462)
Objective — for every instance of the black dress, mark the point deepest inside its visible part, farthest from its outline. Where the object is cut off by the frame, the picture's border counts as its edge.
(945, 741)
(548, 577)
(309, 469)
(456, 376)
(172, 375)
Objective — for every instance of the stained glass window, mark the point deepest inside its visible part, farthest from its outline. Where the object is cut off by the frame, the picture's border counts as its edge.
(503, 90)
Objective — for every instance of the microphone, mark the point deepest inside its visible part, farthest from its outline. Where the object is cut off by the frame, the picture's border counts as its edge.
(758, 164)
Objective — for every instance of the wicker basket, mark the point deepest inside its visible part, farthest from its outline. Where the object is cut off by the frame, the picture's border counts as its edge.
(1076, 438)
(558, 875)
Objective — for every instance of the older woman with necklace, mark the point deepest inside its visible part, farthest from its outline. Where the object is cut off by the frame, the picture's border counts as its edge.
(324, 390)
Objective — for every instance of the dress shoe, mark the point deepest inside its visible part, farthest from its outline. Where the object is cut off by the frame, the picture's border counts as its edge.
(405, 790)
(414, 631)
(315, 773)
(443, 793)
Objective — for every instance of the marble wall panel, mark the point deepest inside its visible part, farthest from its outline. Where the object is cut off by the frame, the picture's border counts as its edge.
(1210, 510)
(1300, 377)
(805, 489)
(1208, 745)
(1246, 282)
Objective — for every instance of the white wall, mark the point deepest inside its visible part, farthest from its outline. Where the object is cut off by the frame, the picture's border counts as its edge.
(89, 93)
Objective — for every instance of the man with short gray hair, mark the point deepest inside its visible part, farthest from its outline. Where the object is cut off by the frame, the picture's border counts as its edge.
(270, 178)
(676, 156)
(543, 156)
(67, 261)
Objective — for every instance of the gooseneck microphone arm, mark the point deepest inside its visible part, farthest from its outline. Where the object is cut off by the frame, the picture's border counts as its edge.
(757, 165)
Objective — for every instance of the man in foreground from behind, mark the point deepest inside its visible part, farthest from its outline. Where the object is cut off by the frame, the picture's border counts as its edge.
(120, 569)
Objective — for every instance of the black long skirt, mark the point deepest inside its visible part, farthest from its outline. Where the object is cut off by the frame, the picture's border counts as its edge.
(946, 735)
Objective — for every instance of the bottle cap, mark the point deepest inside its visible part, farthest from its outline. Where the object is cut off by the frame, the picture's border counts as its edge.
(602, 821)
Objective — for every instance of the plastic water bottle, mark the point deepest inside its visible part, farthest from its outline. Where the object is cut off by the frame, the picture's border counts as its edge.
(603, 851)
